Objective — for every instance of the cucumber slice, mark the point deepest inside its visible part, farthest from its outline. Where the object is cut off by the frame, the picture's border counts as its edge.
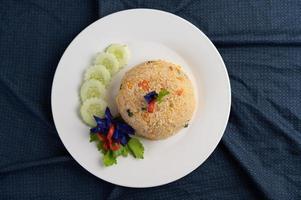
(98, 72)
(92, 88)
(109, 61)
(121, 52)
(92, 107)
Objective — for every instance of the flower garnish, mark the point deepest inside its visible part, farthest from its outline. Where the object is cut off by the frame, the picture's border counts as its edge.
(122, 133)
(112, 131)
(112, 145)
(151, 106)
(113, 136)
(152, 97)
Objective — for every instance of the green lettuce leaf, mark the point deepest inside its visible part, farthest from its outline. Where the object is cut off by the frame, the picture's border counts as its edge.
(136, 148)
(101, 148)
(93, 137)
(122, 151)
(109, 159)
(162, 93)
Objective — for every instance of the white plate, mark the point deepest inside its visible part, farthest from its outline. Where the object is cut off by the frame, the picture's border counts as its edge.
(150, 34)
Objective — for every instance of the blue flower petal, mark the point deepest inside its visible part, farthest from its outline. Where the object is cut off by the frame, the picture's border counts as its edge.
(94, 130)
(122, 129)
(108, 115)
(124, 140)
(150, 96)
(116, 134)
(99, 121)
(102, 125)
(127, 129)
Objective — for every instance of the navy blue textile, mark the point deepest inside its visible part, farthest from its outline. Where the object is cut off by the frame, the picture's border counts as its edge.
(259, 156)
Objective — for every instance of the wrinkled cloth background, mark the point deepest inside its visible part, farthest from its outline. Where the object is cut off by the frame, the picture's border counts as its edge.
(259, 156)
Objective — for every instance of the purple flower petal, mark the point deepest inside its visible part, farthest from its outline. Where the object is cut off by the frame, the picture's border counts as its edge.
(116, 134)
(99, 121)
(125, 128)
(94, 130)
(108, 115)
(122, 129)
(102, 125)
(124, 140)
(150, 96)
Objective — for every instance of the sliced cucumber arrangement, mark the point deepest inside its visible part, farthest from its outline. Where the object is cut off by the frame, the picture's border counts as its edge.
(92, 107)
(121, 52)
(92, 89)
(109, 61)
(98, 72)
(97, 77)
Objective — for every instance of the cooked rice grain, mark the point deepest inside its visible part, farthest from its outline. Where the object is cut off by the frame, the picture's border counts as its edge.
(171, 114)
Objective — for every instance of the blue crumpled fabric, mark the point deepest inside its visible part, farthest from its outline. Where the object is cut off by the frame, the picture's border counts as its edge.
(259, 156)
